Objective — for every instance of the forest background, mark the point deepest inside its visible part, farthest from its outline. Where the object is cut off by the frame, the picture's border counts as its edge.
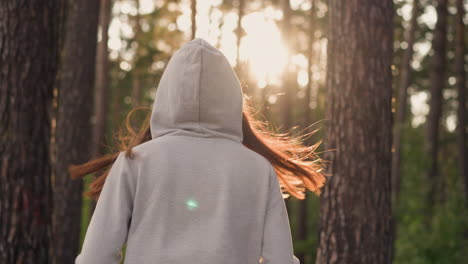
(305, 64)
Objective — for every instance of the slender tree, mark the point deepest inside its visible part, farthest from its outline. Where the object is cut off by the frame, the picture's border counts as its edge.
(437, 83)
(239, 31)
(310, 56)
(288, 85)
(29, 51)
(75, 107)
(355, 209)
(405, 81)
(136, 72)
(101, 95)
(102, 80)
(460, 54)
(303, 204)
(193, 17)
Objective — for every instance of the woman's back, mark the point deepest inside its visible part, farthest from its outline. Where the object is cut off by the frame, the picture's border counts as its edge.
(193, 193)
(206, 206)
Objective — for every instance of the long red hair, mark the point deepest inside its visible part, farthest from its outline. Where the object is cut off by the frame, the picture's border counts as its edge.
(297, 165)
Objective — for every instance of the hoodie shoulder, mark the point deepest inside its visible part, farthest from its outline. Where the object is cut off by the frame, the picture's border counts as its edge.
(146, 148)
(259, 159)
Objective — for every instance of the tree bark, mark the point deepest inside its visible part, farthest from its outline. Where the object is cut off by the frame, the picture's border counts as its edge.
(355, 209)
(460, 54)
(29, 54)
(75, 107)
(437, 83)
(405, 81)
(102, 81)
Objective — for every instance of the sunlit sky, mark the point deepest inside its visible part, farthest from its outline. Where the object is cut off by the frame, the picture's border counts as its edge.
(262, 47)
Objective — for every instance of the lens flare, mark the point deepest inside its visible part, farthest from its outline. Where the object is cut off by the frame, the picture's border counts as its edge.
(191, 204)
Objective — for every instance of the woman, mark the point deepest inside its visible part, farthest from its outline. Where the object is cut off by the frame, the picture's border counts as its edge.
(200, 183)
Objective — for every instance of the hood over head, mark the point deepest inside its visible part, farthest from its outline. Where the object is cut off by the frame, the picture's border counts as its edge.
(199, 95)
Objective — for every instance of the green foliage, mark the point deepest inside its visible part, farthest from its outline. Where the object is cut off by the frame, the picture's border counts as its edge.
(445, 240)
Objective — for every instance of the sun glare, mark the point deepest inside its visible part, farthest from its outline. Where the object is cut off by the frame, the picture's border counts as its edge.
(262, 50)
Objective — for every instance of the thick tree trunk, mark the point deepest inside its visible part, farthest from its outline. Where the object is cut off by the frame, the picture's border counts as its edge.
(438, 80)
(102, 81)
(356, 204)
(75, 107)
(29, 51)
(461, 87)
(405, 81)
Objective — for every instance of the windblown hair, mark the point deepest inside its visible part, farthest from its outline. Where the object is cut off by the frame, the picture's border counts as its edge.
(297, 165)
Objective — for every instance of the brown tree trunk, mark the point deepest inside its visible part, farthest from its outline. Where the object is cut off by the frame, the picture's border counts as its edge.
(101, 99)
(285, 100)
(303, 205)
(136, 82)
(355, 209)
(102, 80)
(308, 118)
(405, 81)
(461, 87)
(239, 34)
(75, 107)
(302, 227)
(29, 54)
(438, 80)
(193, 16)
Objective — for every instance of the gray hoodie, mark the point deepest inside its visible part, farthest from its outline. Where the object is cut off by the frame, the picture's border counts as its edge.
(194, 193)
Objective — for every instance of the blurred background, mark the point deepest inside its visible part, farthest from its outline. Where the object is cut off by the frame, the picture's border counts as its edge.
(278, 49)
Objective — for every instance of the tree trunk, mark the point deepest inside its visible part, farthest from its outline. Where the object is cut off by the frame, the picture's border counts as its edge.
(239, 34)
(101, 100)
(438, 80)
(285, 100)
(355, 209)
(461, 87)
(102, 80)
(29, 54)
(302, 227)
(193, 16)
(75, 107)
(136, 82)
(308, 118)
(405, 81)
(303, 205)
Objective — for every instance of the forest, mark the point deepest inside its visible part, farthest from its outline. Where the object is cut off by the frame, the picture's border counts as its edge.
(381, 83)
